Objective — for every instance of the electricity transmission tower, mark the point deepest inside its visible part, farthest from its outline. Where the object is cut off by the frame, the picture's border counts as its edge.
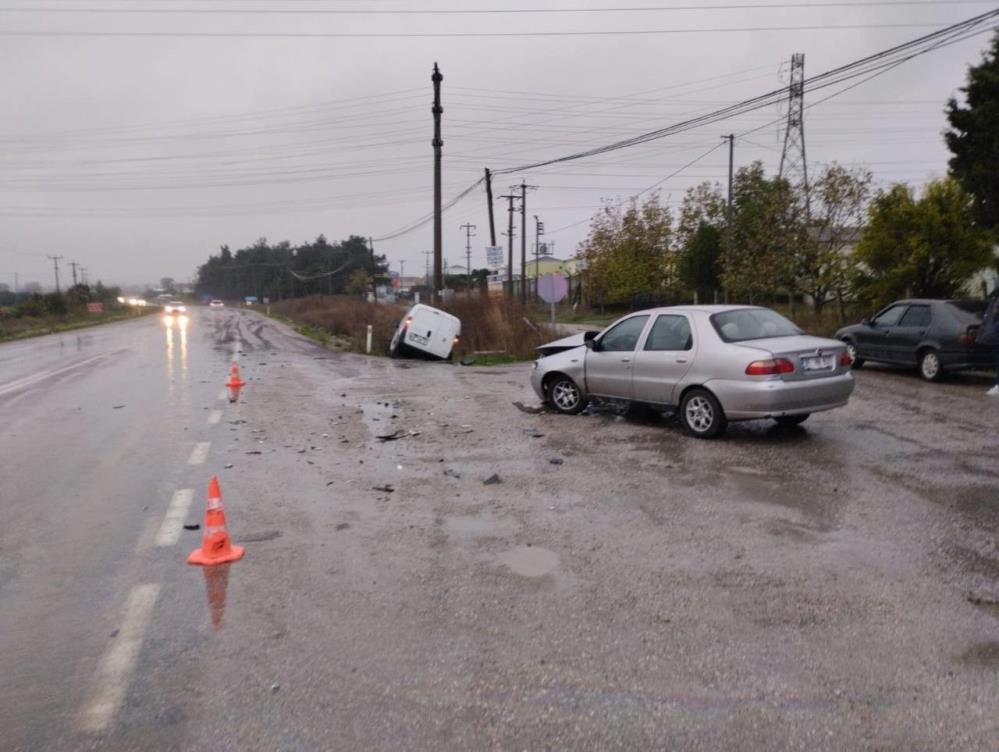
(793, 164)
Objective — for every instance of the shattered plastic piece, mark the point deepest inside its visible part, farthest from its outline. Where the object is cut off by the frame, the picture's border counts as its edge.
(556, 461)
(117, 407)
(467, 361)
(195, 526)
(452, 473)
(529, 410)
(330, 483)
(386, 488)
(492, 480)
(392, 436)
(227, 466)
(343, 526)
(254, 451)
(275, 687)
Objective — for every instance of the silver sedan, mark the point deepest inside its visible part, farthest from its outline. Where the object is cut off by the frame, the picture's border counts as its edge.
(714, 363)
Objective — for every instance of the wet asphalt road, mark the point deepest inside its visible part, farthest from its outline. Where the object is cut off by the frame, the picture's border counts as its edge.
(830, 587)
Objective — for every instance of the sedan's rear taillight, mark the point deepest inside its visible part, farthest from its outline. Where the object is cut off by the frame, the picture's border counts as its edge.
(966, 340)
(845, 360)
(769, 367)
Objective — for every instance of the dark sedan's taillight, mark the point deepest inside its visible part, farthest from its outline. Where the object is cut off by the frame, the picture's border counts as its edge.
(845, 360)
(966, 339)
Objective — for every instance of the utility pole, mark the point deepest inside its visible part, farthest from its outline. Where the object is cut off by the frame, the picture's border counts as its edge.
(489, 203)
(74, 265)
(438, 144)
(83, 274)
(55, 262)
(427, 255)
(539, 230)
(731, 158)
(523, 238)
(374, 269)
(467, 227)
(509, 260)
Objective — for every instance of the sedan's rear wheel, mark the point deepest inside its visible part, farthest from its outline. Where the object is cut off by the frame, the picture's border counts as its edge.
(701, 414)
(565, 396)
(930, 367)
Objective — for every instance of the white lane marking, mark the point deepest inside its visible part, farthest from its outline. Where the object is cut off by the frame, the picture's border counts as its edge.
(42, 375)
(116, 666)
(200, 453)
(214, 417)
(224, 394)
(180, 504)
(236, 346)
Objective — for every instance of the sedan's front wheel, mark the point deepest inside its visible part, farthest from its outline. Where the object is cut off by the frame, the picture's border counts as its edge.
(701, 414)
(565, 396)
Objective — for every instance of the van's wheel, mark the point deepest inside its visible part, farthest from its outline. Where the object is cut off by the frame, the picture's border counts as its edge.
(787, 421)
(565, 396)
(702, 415)
(930, 367)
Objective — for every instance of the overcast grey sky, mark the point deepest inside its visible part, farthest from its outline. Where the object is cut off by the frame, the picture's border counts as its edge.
(138, 156)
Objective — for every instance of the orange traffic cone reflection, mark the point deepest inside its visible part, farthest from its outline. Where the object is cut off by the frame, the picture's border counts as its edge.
(235, 383)
(216, 583)
(216, 548)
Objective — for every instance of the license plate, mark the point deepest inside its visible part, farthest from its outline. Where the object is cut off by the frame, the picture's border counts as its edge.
(417, 338)
(819, 363)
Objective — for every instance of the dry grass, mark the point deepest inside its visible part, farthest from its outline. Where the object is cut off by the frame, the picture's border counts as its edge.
(346, 319)
(497, 324)
(492, 325)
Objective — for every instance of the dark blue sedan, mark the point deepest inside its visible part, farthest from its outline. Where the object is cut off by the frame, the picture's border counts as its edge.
(935, 336)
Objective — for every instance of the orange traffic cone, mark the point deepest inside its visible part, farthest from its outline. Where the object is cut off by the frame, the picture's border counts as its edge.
(216, 548)
(235, 383)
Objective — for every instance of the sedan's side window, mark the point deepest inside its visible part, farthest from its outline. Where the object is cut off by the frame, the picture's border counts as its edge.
(891, 316)
(916, 316)
(624, 336)
(670, 333)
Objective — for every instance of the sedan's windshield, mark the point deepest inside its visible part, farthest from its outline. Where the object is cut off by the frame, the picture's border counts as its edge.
(752, 323)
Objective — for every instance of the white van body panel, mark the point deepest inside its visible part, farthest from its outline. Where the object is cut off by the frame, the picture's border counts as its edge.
(428, 330)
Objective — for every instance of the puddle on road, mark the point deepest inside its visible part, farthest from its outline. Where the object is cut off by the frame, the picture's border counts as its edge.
(529, 561)
(985, 655)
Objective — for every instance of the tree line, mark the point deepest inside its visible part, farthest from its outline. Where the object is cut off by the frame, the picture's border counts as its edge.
(281, 270)
(832, 241)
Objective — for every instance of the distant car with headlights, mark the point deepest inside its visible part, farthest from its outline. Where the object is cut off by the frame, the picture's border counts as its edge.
(714, 364)
(174, 307)
(216, 304)
(426, 331)
(934, 336)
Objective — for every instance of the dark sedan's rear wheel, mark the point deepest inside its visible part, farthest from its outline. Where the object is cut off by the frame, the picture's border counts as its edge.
(930, 367)
(851, 348)
(786, 421)
(564, 395)
(702, 415)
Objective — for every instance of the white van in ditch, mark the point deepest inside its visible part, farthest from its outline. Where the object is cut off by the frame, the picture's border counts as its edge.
(426, 331)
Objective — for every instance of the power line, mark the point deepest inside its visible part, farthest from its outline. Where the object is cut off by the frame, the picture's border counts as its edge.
(450, 34)
(483, 11)
(878, 63)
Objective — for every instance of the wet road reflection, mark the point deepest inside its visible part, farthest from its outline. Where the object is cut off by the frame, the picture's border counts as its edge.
(216, 584)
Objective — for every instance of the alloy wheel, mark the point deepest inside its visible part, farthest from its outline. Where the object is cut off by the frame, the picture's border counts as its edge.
(700, 414)
(565, 395)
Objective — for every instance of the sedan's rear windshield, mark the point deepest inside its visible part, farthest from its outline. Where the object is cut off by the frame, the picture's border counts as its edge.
(752, 323)
(968, 312)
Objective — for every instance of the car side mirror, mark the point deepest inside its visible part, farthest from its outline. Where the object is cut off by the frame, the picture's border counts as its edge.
(589, 336)
(867, 322)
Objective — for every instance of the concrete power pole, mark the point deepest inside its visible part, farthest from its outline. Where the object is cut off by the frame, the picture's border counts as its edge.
(438, 145)
(374, 282)
(55, 262)
(427, 255)
(74, 265)
(523, 238)
(509, 233)
(489, 203)
(467, 227)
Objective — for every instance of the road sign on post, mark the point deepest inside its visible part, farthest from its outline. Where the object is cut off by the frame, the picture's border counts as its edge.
(494, 256)
(551, 289)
